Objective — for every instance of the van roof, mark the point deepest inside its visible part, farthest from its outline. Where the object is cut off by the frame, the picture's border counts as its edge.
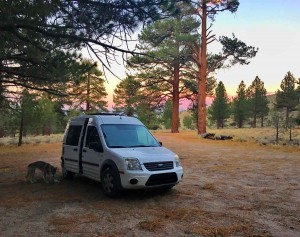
(110, 118)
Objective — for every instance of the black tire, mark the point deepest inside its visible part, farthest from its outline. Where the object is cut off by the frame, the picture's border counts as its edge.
(111, 183)
(66, 174)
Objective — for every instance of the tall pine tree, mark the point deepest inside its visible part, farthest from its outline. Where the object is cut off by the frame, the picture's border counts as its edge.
(240, 105)
(233, 52)
(287, 96)
(219, 110)
(90, 91)
(258, 101)
(167, 64)
(126, 96)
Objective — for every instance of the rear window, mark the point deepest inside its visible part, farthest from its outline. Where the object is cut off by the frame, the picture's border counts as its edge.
(73, 135)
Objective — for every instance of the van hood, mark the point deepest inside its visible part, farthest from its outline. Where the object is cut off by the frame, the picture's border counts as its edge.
(146, 154)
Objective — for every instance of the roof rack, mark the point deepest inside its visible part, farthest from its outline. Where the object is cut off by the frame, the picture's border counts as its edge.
(116, 114)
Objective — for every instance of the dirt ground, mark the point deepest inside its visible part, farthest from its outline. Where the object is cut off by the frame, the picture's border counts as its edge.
(229, 189)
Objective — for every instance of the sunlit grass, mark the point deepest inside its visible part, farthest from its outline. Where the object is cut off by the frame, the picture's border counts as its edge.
(32, 139)
(261, 135)
(264, 136)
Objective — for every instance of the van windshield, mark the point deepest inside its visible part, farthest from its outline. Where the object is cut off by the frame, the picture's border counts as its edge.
(127, 135)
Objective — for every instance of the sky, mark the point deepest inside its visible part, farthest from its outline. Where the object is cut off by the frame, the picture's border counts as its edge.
(273, 26)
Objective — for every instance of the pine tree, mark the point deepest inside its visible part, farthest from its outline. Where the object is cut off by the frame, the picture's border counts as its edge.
(287, 96)
(167, 114)
(258, 101)
(240, 105)
(233, 52)
(150, 101)
(126, 96)
(26, 109)
(32, 32)
(47, 118)
(166, 44)
(90, 91)
(219, 110)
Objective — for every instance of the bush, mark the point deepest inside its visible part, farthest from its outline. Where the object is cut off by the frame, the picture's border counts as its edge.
(188, 122)
(153, 126)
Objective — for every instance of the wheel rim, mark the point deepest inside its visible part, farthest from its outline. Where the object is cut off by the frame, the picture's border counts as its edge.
(108, 183)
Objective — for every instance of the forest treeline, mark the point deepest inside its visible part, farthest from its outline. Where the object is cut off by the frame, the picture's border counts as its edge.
(44, 79)
(42, 113)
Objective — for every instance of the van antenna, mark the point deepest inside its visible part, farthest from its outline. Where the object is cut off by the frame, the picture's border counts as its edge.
(121, 114)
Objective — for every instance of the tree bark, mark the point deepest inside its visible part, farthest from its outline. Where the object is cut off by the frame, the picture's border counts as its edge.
(88, 93)
(277, 130)
(254, 121)
(175, 100)
(262, 121)
(21, 126)
(202, 77)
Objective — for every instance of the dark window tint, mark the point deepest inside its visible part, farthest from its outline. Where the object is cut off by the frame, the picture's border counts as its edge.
(73, 135)
(92, 136)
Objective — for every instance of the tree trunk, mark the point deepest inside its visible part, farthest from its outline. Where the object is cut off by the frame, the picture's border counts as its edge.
(277, 130)
(287, 115)
(21, 126)
(290, 126)
(175, 99)
(46, 130)
(202, 78)
(239, 123)
(262, 121)
(254, 121)
(88, 93)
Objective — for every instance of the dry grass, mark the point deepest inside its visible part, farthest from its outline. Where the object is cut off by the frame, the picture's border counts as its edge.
(151, 225)
(31, 139)
(71, 222)
(230, 188)
(260, 135)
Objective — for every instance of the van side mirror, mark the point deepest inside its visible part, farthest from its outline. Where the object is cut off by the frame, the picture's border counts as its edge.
(96, 146)
(160, 143)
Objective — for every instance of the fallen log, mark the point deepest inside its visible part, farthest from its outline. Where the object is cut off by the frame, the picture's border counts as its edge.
(213, 136)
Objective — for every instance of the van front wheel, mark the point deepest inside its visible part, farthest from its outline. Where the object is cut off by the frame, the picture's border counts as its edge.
(111, 183)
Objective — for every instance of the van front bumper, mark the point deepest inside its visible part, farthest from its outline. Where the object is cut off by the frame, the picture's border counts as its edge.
(150, 179)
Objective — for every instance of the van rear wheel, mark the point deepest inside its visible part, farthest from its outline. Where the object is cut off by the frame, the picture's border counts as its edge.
(110, 181)
(67, 174)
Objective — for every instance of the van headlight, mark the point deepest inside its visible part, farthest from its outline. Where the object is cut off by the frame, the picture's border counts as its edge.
(133, 164)
(177, 161)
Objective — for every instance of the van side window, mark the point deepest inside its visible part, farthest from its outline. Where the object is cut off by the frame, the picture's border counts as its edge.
(73, 135)
(92, 136)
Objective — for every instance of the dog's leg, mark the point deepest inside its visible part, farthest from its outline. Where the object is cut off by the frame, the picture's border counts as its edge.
(45, 176)
(27, 176)
(32, 173)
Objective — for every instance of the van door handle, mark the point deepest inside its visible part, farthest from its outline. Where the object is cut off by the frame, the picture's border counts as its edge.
(75, 149)
(84, 150)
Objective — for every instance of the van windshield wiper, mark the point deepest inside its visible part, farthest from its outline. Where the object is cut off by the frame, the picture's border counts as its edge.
(118, 146)
(142, 146)
(132, 146)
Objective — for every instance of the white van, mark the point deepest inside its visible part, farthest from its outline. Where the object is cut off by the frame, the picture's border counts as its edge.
(119, 152)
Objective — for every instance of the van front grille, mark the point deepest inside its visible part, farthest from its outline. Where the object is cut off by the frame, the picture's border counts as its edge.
(156, 166)
(160, 179)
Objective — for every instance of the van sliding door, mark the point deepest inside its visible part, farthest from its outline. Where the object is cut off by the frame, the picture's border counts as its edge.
(91, 159)
(71, 148)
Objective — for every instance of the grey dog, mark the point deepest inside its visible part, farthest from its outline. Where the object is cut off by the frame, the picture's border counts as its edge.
(45, 167)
